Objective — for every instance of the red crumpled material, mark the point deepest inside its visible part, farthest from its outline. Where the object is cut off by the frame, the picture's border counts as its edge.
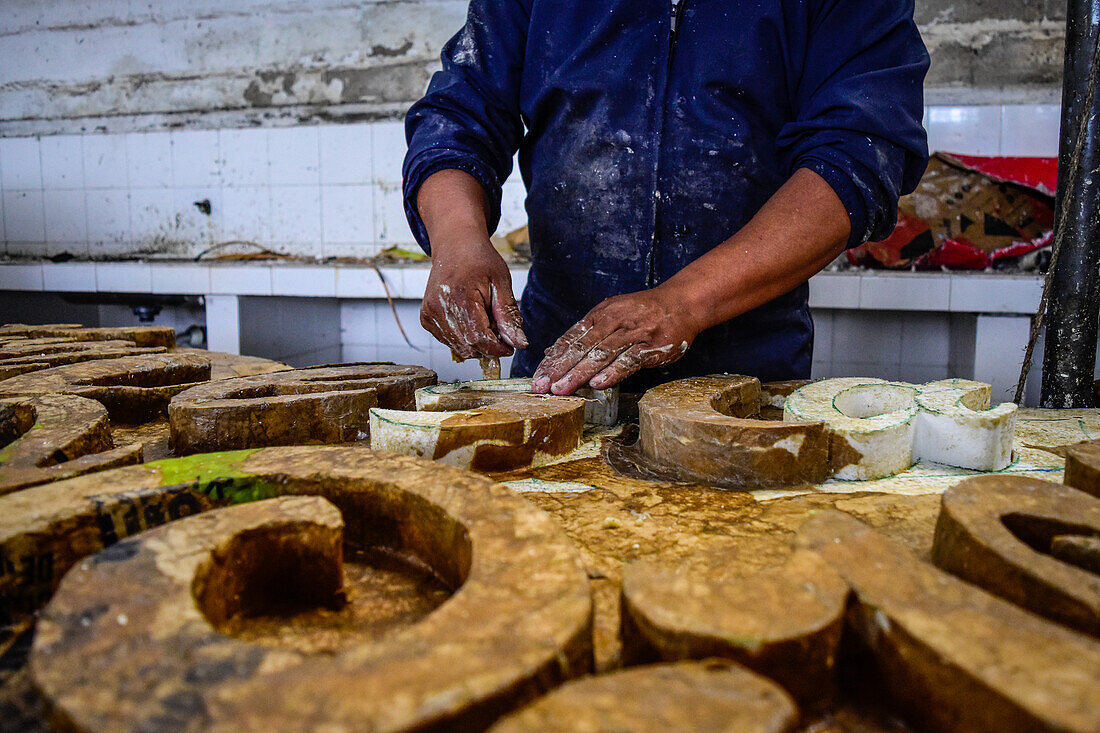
(968, 213)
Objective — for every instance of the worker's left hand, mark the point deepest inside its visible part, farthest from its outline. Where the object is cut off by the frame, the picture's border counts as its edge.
(617, 338)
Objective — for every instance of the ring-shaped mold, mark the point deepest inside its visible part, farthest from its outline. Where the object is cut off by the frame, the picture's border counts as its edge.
(124, 645)
(707, 430)
(318, 405)
(162, 336)
(870, 423)
(53, 437)
(134, 389)
(32, 355)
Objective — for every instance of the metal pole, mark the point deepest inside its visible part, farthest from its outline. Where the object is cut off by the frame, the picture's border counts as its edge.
(1069, 358)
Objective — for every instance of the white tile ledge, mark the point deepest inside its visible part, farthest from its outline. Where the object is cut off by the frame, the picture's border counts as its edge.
(898, 291)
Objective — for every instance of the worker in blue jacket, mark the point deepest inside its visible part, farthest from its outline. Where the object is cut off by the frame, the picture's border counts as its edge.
(689, 165)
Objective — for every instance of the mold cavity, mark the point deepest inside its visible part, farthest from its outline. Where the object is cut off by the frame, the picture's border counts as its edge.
(15, 421)
(1075, 544)
(400, 559)
(872, 400)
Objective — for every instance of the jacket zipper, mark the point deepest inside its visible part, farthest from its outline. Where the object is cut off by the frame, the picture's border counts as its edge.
(675, 12)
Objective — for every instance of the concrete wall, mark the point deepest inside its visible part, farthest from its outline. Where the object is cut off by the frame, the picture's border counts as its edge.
(123, 65)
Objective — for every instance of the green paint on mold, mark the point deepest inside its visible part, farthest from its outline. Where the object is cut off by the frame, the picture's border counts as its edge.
(218, 475)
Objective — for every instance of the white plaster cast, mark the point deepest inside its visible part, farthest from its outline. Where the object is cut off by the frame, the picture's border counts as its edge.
(880, 428)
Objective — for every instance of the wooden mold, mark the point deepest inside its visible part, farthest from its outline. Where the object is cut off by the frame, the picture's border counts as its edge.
(714, 696)
(303, 406)
(784, 622)
(707, 430)
(31, 355)
(133, 389)
(55, 436)
(1003, 533)
(148, 336)
(161, 598)
(485, 430)
(950, 655)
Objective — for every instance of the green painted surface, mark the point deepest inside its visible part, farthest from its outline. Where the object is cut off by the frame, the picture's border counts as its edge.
(220, 475)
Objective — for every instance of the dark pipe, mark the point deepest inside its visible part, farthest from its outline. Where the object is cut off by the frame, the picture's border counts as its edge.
(1069, 358)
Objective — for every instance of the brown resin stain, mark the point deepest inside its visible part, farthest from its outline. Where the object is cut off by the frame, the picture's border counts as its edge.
(384, 592)
(841, 452)
(624, 519)
(552, 434)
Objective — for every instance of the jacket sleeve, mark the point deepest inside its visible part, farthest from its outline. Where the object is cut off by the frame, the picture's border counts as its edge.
(858, 106)
(469, 119)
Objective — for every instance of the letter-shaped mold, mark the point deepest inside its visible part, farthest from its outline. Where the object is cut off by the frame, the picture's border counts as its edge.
(879, 428)
(304, 406)
(1001, 533)
(131, 638)
(715, 696)
(52, 437)
(952, 656)
(957, 427)
(703, 429)
(486, 430)
(134, 389)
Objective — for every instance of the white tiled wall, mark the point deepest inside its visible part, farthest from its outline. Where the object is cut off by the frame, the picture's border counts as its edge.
(320, 191)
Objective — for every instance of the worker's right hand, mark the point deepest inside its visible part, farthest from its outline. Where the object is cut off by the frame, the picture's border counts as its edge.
(468, 304)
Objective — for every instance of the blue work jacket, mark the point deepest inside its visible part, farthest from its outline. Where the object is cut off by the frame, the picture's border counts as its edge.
(649, 134)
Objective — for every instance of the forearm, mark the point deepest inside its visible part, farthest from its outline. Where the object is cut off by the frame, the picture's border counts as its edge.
(800, 230)
(452, 205)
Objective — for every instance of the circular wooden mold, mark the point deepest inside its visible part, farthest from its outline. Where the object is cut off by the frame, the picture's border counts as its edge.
(32, 355)
(130, 640)
(133, 389)
(303, 406)
(495, 429)
(709, 696)
(784, 622)
(52, 437)
(703, 430)
(162, 336)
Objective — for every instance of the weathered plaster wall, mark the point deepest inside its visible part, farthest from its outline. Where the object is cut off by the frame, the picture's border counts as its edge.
(71, 65)
(120, 65)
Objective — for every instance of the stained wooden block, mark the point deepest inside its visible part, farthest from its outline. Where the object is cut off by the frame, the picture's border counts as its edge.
(303, 406)
(707, 697)
(951, 655)
(133, 389)
(485, 430)
(783, 622)
(1083, 467)
(998, 532)
(706, 430)
(31, 355)
(518, 623)
(55, 436)
(162, 336)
